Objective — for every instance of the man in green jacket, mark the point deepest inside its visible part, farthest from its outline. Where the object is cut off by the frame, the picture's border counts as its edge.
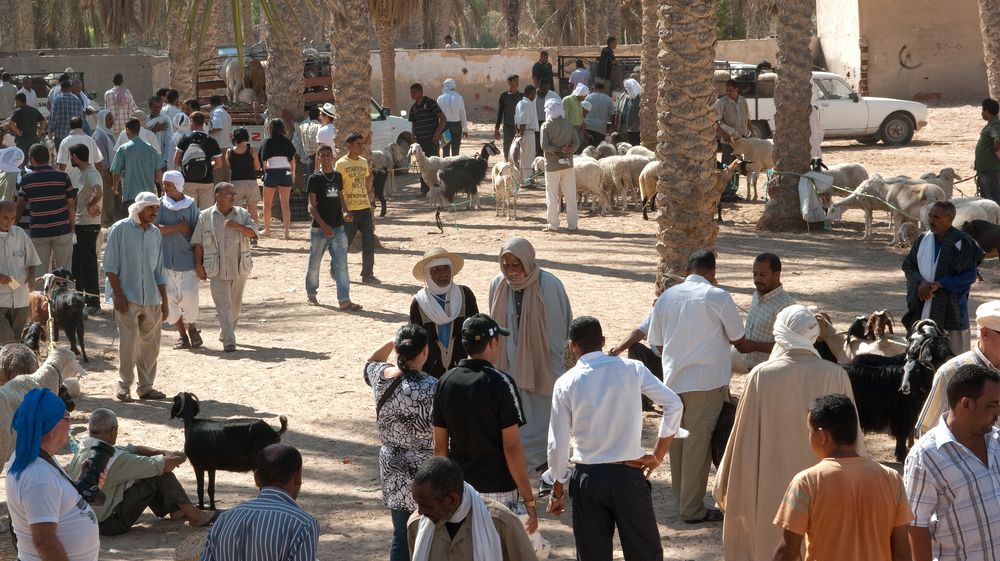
(137, 477)
(988, 153)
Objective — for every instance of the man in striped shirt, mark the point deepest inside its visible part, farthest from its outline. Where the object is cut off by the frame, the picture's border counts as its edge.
(271, 527)
(52, 199)
(952, 475)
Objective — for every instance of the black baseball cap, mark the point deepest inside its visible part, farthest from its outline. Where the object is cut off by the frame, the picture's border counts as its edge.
(481, 326)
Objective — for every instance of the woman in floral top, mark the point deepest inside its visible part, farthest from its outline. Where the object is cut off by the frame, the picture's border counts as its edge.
(403, 397)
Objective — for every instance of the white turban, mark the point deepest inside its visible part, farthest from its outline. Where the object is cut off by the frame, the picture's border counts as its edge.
(587, 106)
(553, 109)
(175, 177)
(449, 85)
(181, 122)
(794, 328)
(11, 159)
(144, 200)
(988, 315)
(580, 89)
(141, 116)
(632, 88)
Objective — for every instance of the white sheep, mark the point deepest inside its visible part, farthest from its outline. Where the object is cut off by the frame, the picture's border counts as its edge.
(605, 150)
(758, 153)
(429, 167)
(968, 209)
(61, 364)
(846, 178)
(647, 187)
(641, 151)
(591, 152)
(505, 188)
(622, 148)
(616, 177)
(901, 200)
(945, 179)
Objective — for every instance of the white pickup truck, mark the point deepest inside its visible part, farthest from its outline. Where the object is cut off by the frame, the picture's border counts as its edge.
(386, 128)
(843, 112)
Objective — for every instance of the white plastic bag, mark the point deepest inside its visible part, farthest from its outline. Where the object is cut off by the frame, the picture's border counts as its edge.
(812, 211)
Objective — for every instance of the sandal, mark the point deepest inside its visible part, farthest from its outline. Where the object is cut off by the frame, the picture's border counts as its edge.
(124, 396)
(350, 306)
(196, 340)
(712, 515)
(182, 343)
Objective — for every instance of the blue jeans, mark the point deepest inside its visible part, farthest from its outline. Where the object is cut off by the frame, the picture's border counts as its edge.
(337, 247)
(400, 548)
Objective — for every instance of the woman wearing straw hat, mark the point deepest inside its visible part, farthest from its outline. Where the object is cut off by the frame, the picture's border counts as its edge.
(441, 307)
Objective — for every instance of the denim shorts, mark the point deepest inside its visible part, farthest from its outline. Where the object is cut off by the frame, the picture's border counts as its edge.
(278, 178)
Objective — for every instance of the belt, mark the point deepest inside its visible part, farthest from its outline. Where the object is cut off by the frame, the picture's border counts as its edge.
(625, 463)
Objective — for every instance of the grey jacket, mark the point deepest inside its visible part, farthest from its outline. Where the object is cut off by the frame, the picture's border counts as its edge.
(555, 134)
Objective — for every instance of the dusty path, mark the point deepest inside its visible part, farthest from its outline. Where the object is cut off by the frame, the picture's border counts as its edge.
(305, 362)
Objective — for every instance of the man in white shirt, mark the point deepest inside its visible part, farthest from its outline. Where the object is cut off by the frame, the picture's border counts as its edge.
(327, 133)
(7, 93)
(456, 123)
(693, 324)
(29, 92)
(18, 260)
(77, 136)
(526, 121)
(221, 129)
(579, 76)
(595, 403)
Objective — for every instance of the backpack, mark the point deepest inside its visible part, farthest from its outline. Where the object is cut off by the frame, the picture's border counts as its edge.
(194, 162)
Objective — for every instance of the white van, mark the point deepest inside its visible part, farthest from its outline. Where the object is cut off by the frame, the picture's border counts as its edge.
(386, 128)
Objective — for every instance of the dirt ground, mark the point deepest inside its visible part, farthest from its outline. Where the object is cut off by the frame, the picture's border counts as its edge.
(305, 362)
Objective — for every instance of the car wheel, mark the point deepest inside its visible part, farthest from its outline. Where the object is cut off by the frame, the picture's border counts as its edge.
(869, 140)
(896, 129)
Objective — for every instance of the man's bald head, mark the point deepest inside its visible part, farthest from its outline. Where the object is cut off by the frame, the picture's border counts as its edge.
(279, 465)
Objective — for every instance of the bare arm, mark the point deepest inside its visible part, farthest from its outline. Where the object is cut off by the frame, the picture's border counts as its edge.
(517, 465)
(920, 543)
(628, 341)
(47, 543)
(899, 544)
(382, 353)
(790, 548)
(71, 207)
(440, 441)
(745, 345)
(21, 202)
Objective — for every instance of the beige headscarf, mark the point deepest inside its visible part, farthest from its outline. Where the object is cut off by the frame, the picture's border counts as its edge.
(533, 365)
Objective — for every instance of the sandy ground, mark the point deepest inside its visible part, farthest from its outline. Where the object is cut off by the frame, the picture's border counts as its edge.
(305, 362)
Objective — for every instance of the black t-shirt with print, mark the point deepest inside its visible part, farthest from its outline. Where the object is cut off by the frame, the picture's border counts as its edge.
(327, 189)
(475, 402)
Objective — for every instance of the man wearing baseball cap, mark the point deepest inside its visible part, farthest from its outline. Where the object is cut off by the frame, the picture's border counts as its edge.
(986, 353)
(476, 416)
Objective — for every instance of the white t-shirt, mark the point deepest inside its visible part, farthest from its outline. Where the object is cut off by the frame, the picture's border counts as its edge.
(78, 137)
(222, 120)
(32, 97)
(42, 494)
(327, 135)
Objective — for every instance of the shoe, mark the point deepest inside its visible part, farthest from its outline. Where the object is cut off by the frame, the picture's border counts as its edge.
(253, 242)
(349, 306)
(711, 515)
(195, 335)
(153, 394)
(311, 300)
(230, 348)
(182, 343)
(370, 280)
(124, 396)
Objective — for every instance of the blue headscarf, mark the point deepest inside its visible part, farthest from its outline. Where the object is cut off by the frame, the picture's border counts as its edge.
(37, 415)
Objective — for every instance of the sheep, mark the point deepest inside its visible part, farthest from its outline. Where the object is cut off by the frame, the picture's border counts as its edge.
(945, 179)
(967, 209)
(589, 182)
(605, 150)
(900, 199)
(622, 148)
(641, 151)
(505, 188)
(230, 445)
(66, 307)
(462, 174)
(758, 154)
(60, 365)
(890, 391)
(427, 165)
(591, 152)
(231, 73)
(614, 169)
(845, 176)
(647, 187)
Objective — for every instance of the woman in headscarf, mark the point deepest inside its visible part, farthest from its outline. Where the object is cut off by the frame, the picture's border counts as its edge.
(456, 123)
(769, 442)
(104, 138)
(532, 304)
(629, 123)
(10, 168)
(404, 395)
(441, 307)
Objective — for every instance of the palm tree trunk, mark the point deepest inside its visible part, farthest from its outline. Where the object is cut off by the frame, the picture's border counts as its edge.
(351, 71)
(284, 70)
(18, 25)
(386, 34)
(594, 22)
(685, 191)
(792, 96)
(613, 25)
(650, 75)
(181, 59)
(512, 15)
(989, 18)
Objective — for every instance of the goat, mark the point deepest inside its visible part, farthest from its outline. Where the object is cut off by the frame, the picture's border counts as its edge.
(461, 174)
(379, 177)
(230, 445)
(388, 160)
(721, 178)
(38, 307)
(505, 189)
(900, 199)
(647, 187)
(986, 234)
(66, 307)
(231, 73)
(890, 391)
(33, 336)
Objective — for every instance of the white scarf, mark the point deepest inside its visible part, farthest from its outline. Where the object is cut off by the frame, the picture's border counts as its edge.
(927, 259)
(175, 206)
(430, 306)
(485, 539)
(795, 327)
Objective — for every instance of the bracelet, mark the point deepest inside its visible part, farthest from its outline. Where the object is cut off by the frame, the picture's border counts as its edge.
(530, 503)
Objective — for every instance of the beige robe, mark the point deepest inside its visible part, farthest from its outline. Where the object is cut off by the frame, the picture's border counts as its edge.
(768, 446)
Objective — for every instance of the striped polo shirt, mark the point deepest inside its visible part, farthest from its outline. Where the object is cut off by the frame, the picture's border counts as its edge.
(424, 116)
(47, 192)
(271, 527)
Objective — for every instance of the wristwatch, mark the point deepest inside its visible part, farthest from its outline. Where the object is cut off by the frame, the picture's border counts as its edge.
(530, 503)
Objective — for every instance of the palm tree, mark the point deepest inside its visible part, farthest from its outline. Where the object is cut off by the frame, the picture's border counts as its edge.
(351, 71)
(511, 10)
(650, 75)
(387, 17)
(685, 190)
(284, 70)
(792, 96)
(760, 17)
(595, 22)
(989, 18)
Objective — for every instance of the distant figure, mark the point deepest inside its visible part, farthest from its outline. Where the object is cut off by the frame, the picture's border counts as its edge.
(456, 121)
(7, 93)
(505, 113)
(628, 125)
(119, 101)
(606, 63)
(28, 89)
(541, 70)
(26, 123)
(450, 43)
(988, 152)
(602, 110)
(427, 123)
(579, 76)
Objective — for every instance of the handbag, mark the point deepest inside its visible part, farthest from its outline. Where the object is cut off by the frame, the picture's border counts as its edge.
(388, 392)
(723, 428)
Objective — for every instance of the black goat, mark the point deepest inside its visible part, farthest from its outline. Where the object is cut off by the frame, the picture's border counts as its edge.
(66, 307)
(890, 391)
(379, 178)
(463, 175)
(229, 445)
(33, 335)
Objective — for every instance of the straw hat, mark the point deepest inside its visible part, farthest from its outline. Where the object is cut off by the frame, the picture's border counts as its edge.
(437, 253)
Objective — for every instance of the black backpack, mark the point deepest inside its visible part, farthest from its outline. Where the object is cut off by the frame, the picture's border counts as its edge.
(194, 162)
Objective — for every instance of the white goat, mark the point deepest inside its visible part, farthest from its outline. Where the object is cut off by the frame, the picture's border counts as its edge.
(758, 154)
(387, 160)
(641, 151)
(429, 167)
(505, 188)
(901, 200)
(231, 73)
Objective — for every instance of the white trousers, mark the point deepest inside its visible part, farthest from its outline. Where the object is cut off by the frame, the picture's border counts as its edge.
(182, 296)
(562, 182)
(527, 154)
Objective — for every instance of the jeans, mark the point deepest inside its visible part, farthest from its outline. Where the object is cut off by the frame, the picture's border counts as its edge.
(400, 548)
(364, 222)
(337, 247)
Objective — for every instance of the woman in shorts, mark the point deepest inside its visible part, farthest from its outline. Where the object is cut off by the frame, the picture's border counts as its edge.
(244, 166)
(278, 157)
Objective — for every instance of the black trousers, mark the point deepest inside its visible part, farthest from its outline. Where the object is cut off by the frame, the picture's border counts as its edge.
(509, 132)
(645, 355)
(364, 223)
(430, 148)
(595, 137)
(455, 128)
(606, 496)
(85, 263)
(162, 494)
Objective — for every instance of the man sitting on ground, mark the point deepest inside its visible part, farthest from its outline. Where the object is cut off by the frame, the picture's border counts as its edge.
(137, 478)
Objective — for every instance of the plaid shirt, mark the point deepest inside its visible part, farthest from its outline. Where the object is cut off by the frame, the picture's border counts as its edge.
(955, 495)
(121, 111)
(937, 400)
(65, 107)
(760, 320)
(307, 136)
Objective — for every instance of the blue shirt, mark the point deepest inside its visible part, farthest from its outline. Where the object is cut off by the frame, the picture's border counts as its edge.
(136, 256)
(269, 528)
(64, 107)
(137, 163)
(178, 254)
